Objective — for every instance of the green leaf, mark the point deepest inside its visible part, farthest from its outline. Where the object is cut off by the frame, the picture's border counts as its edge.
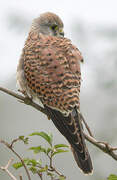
(112, 177)
(58, 151)
(17, 165)
(38, 149)
(39, 162)
(50, 174)
(62, 178)
(33, 170)
(60, 145)
(25, 140)
(28, 162)
(43, 169)
(21, 137)
(32, 162)
(44, 136)
(51, 136)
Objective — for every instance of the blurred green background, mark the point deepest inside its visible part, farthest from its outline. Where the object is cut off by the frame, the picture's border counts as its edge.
(92, 27)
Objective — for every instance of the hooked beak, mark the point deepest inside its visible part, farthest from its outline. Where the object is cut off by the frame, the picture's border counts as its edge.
(61, 32)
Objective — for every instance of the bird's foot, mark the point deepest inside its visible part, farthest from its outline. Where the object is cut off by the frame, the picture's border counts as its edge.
(23, 92)
(27, 99)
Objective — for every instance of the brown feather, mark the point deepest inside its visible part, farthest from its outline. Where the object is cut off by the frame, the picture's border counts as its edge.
(52, 71)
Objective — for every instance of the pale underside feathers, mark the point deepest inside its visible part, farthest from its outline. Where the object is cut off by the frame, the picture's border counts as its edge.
(49, 68)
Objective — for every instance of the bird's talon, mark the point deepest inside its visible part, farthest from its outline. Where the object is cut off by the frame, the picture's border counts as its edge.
(23, 92)
(27, 100)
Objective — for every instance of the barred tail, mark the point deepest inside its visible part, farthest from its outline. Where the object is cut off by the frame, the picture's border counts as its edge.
(84, 164)
(71, 128)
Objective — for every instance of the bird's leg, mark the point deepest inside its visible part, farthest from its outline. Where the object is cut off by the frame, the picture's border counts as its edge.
(27, 99)
(23, 92)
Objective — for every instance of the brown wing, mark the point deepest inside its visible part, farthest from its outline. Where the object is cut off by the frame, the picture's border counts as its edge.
(52, 71)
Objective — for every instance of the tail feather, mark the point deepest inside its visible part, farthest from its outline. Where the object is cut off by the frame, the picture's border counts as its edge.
(84, 164)
(71, 128)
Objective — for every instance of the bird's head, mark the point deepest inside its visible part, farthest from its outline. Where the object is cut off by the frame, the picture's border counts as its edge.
(48, 24)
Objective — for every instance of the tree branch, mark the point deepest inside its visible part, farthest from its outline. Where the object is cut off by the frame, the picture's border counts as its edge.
(51, 167)
(104, 146)
(40, 175)
(25, 100)
(7, 171)
(86, 125)
(20, 177)
(19, 157)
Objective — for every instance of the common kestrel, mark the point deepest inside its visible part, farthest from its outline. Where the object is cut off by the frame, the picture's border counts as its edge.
(49, 70)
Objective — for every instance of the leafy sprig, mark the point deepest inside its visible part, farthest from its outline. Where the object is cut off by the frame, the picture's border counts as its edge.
(36, 166)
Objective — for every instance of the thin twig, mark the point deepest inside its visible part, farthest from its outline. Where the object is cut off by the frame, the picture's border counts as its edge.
(14, 141)
(105, 147)
(86, 125)
(52, 169)
(51, 162)
(114, 148)
(40, 175)
(10, 147)
(7, 171)
(20, 177)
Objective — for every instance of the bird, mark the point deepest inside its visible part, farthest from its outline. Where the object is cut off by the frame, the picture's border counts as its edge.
(49, 71)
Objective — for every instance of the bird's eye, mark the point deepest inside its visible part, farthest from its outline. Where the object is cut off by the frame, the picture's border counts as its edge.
(54, 27)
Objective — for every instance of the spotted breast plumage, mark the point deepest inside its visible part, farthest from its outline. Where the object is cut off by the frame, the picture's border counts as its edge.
(49, 69)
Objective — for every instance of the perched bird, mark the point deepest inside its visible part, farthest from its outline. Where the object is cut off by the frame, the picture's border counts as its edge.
(49, 70)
